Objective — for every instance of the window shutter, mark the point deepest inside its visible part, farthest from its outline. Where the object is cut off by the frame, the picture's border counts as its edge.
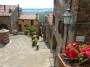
(61, 28)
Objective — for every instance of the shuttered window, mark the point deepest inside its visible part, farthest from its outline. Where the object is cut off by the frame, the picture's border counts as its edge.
(61, 28)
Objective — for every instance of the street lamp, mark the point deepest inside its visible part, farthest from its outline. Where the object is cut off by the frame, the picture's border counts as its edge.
(67, 22)
(67, 17)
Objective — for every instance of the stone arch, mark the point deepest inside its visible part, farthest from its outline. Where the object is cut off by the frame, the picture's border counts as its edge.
(54, 45)
(3, 26)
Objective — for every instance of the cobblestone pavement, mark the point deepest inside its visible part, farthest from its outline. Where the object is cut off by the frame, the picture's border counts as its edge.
(19, 53)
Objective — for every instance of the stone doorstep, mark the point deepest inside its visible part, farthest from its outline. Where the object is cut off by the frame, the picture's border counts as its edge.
(21, 33)
(51, 61)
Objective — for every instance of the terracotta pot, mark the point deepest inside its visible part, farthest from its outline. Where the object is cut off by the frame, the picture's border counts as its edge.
(63, 64)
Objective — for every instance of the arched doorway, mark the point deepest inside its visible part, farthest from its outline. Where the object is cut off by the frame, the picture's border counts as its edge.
(3, 26)
(20, 28)
(54, 43)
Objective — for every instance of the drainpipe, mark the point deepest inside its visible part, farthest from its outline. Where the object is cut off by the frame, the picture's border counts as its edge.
(71, 4)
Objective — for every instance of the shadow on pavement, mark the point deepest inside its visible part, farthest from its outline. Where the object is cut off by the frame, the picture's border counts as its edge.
(2, 45)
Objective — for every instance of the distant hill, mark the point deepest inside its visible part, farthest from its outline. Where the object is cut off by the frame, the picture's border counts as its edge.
(42, 12)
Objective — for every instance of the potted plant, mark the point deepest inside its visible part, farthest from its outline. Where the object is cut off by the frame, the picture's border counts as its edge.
(14, 31)
(31, 30)
(75, 55)
(26, 32)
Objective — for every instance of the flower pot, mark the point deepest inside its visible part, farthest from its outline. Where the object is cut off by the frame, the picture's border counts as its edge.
(62, 63)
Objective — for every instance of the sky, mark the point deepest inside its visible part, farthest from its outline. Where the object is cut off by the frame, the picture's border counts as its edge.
(29, 3)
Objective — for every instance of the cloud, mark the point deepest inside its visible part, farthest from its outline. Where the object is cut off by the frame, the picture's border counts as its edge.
(30, 3)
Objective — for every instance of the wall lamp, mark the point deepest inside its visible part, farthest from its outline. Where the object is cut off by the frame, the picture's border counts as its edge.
(67, 16)
(68, 20)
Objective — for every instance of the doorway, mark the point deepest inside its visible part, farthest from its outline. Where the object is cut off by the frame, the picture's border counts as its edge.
(3, 26)
(54, 43)
(20, 28)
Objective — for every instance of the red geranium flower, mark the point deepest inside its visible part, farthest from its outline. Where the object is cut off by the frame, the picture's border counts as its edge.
(74, 55)
(74, 49)
(88, 54)
(71, 53)
(83, 51)
(75, 44)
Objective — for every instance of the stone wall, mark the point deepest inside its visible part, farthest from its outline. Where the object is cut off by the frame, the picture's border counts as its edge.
(80, 10)
(48, 29)
(14, 19)
(11, 20)
(27, 23)
(59, 9)
(83, 20)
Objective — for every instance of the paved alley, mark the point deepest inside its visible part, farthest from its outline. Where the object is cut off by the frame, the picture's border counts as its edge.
(19, 53)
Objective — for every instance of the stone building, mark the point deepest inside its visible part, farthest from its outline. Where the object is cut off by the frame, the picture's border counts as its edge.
(9, 16)
(48, 28)
(27, 20)
(79, 30)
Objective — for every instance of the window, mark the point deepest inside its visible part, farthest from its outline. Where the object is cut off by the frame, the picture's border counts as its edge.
(22, 20)
(31, 22)
(61, 28)
(53, 19)
(25, 25)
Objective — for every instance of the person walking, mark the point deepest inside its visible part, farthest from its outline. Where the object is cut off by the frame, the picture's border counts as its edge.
(37, 46)
(42, 36)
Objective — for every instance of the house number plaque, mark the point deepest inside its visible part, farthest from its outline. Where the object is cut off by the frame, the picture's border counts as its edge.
(80, 38)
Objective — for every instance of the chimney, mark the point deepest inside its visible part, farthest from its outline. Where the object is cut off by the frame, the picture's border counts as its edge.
(37, 16)
(10, 10)
(4, 8)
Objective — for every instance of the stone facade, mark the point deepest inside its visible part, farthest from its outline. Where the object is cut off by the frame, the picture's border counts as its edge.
(62, 35)
(9, 17)
(83, 20)
(27, 20)
(48, 29)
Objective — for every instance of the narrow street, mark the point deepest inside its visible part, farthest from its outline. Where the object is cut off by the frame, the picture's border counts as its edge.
(19, 53)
